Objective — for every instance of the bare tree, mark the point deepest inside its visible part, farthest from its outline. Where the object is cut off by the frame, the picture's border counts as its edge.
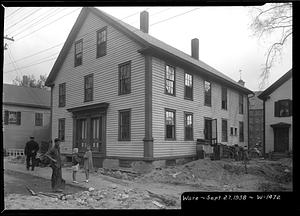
(30, 81)
(271, 20)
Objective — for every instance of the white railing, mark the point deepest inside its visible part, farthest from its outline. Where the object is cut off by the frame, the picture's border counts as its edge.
(15, 152)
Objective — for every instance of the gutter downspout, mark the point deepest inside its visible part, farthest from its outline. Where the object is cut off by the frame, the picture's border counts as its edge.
(251, 96)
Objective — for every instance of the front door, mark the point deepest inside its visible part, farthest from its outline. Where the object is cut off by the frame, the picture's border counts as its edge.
(210, 130)
(89, 132)
(281, 139)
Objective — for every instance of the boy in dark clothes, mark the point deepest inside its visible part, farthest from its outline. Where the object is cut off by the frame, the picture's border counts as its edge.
(31, 148)
(75, 164)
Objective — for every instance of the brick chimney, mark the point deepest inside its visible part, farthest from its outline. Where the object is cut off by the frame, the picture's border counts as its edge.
(195, 48)
(144, 22)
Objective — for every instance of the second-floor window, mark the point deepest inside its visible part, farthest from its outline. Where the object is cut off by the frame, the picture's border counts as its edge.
(61, 129)
(170, 80)
(188, 126)
(88, 88)
(207, 93)
(62, 95)
(125, 78)
(241, 131)
(101, 42)
(188, 86)
(283, 108)
(170, 124)
(224, 98)
(78, 53)
(241, 104)
(38, 119)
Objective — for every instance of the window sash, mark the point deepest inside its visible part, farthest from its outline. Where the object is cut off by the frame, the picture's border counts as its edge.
(124, 125)
(188, 82)
(207, 93)
(208, 129)
(61, 129)
(241, 104)
(224, 131)
(62, 95)
(88, 88)
(125, 78)
(224, 98)
(170, 79)
(12, 117)
(38, 119)
(78, 53)
(101, 42)
(170, 124)
(241, 132)
(188, 123)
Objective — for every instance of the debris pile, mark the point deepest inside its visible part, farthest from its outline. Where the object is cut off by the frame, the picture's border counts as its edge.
(119, 173)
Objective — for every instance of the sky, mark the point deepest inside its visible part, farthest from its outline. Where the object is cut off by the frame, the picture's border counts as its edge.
(226, 41)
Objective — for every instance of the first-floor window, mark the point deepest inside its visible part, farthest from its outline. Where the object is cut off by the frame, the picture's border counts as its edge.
(124, 125)
(188, 126)
(170, 124)
(208, 129)
(38, 119)
(241, 135)
(12, 117)
(61, 129)
(224, 131)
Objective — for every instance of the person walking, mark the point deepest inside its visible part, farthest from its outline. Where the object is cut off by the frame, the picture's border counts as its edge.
(88, 163)
(75, 164)
(31, 149)
(57, 182)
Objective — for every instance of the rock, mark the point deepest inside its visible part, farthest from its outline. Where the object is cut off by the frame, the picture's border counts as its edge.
(91, 189)
(114, 186)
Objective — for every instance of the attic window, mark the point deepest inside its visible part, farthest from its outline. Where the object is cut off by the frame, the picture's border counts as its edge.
(78, 53)
(283, 108)
(101, 42)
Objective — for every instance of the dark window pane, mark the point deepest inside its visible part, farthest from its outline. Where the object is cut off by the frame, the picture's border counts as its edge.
(78, 53)
(124, 131)
(170, 124)
(170, 79)
(207, 93)
(125, 78)
(224, 98)
(101, 42)
(224, 131)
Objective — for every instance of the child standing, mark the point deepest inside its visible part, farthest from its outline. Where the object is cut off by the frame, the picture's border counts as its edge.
(88, 163)
(75, 164)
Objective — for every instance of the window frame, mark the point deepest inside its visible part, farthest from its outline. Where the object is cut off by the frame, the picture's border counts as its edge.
(205, 131)
(205, 94)
(76, 63)
(185, 87)
(174, 81)
(185, 126)
(224, 94)
(223, 131)
(62, 97)
(279, 108)
(60, 120)
(39, 117)
(174, 112)
(241, 103)
(90, 88)
(121, 79)
(241, 132)
(98, 50)
(129, 127)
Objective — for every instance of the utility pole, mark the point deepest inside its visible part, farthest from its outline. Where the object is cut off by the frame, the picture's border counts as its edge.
(7, 38)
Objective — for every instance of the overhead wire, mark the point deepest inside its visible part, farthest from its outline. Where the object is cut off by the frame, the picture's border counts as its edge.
(25, 26)
(12, 13)
(92, 45)
(23, 19)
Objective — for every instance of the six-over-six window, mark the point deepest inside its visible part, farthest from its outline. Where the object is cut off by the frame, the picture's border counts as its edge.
(188, 86)
(124, 125)
(88, 87)
(125, 78)
(170, 80)
(78, 53)
(101, 42)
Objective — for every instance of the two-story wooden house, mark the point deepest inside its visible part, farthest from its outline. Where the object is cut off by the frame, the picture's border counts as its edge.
(278, 115)
(133, 97)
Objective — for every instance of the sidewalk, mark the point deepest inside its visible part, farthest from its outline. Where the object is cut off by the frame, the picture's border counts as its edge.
(96, 181)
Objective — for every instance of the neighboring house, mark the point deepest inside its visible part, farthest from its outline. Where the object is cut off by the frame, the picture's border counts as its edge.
(277, 100)
(132, 97)
(26, 112)
(256, 123)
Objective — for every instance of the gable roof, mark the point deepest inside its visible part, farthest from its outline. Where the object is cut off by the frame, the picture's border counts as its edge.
(275, 85)
(254, 102)
(26, 96)
(149, 44)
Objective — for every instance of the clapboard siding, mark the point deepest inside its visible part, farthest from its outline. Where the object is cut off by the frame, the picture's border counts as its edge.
(15, 136)
(160, 101)
(282, 92)
(105, 69)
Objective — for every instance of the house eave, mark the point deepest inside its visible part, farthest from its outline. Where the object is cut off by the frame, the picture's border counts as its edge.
(27, 105)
